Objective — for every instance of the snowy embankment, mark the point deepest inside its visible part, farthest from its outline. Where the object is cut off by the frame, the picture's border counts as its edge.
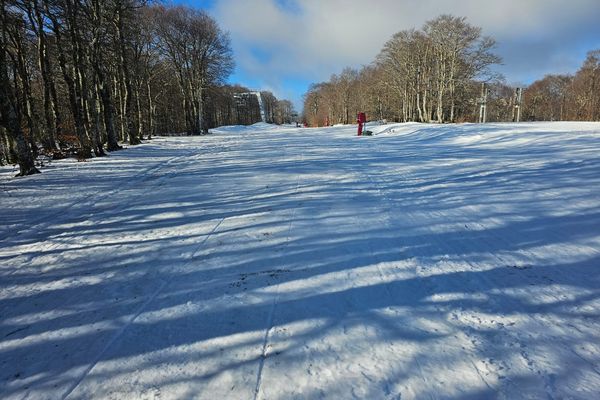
(427, 261)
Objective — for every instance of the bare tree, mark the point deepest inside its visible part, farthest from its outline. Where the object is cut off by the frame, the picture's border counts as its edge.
(419, 75)
(585, 91)
(546, 99)
(10, 114)
(200, 53)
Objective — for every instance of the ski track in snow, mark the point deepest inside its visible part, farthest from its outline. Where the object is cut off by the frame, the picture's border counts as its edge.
(66, 214)
(264, 262)
(274, 303)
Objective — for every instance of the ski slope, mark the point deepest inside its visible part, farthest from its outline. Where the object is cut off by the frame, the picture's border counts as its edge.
(262, 262)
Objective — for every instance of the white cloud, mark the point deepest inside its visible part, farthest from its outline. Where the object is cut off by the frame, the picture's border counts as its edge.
(315, 38)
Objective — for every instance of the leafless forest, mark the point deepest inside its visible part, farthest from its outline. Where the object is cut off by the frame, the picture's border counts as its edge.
(436, 74)
(82, 76)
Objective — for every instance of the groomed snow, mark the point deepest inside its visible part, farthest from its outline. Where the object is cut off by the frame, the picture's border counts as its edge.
(427, 261)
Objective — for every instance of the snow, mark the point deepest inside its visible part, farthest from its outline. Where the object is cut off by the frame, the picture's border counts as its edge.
(426, 261)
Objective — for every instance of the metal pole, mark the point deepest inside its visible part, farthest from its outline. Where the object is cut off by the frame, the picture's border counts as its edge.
(483, 104)
(480, 113)
(518, 103)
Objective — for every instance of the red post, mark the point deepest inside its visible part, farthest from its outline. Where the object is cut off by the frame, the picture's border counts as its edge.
(360, 120)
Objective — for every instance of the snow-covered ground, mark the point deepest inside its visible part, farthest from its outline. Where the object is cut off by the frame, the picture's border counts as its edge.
(453, 261)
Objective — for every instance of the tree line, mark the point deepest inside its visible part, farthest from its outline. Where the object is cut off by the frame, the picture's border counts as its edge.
(85, 76)
(435, 74)
(419, 75)
(566, 97)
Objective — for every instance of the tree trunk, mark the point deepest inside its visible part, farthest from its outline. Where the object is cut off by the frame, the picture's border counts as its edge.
(105, 109)
(140, 117)
(37, 21)
(441, 88)
(201, 128)
(119, 91)
(69, 77)
(27, 97)
(96, 116)
(9, 117)
(108, 110)
(129, 103)
(150, 110)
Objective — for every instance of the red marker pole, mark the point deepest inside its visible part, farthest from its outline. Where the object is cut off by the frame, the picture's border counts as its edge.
(361, 119)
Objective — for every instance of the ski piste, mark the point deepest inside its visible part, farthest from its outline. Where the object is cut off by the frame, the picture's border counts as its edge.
(274, 262)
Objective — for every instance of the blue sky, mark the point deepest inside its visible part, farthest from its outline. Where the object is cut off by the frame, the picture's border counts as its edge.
(285, 45)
